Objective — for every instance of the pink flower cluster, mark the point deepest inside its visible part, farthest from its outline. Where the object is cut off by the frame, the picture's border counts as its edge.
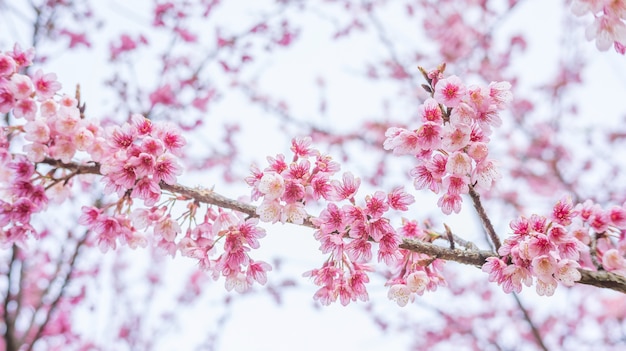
(552, 249)
(416, 272)
(346, 232)
(111, 229)
(23, 192)
(134, 157)
(138, 156)
(451, 144)
(285, 188)
(608, 27)
(22, 196)
(237, 235)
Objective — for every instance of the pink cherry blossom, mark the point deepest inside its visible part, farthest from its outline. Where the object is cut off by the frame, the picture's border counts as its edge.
(430, 111)
(7, 65)
(449, 91)
(271, 185)
(346, 189)
(399, 200)
(401, 294)
(46, 85)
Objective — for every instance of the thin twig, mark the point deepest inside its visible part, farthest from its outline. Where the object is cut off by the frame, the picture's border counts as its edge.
(66, 281)
(533, 328)
(9, 323)
(449, 235)
(484, 219)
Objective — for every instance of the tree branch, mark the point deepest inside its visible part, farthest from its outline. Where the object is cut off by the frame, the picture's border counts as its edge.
(484, 218)
(600, 279)
(472, 257)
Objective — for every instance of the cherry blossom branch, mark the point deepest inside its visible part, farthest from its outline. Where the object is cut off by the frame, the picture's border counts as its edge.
(199, 194)
(600, 279)
(476, 258)
(484, 218)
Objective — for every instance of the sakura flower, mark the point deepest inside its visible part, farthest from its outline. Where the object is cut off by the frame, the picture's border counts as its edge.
(613, 261)
(293, 213)
(495, 267)
(148, 190)
(617, 216)
(500, 93)
(430, 111)
(45, 85)
(455, 137)
(449, 91)
(167, 228)
(606, 30)
(269, 211)
(7, 65)
(301, 147)
(272, 185)
(21, 86)
(22, 58)
(456, 184)
(258, 271)
(562, 211)
(401, 294)
(330, 219)
(544, 266)
(402, 141)
(345, 189)
(25, 108)
(375, 206)
(423, 178)
(450, 203)
(429, 136)
(546, 286)
(567, 272)
(478, 151)
(399, 200)
(459, 163)
(238, 281)
(485, 174)
(171, 137)
(463, 114)
(166, 169)
(417, 282)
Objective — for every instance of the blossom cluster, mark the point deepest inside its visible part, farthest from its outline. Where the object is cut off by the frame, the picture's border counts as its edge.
(417, 272)
(608, 28)
(451, 143)
(551, 249)
(138, 156)
(134, 159)
(348, 231)
(22, 193)
(286, 187)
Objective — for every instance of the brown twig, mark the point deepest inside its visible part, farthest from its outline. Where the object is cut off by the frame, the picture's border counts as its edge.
(9, 322)
(533, 328)
(66, 280)
(484, 219)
